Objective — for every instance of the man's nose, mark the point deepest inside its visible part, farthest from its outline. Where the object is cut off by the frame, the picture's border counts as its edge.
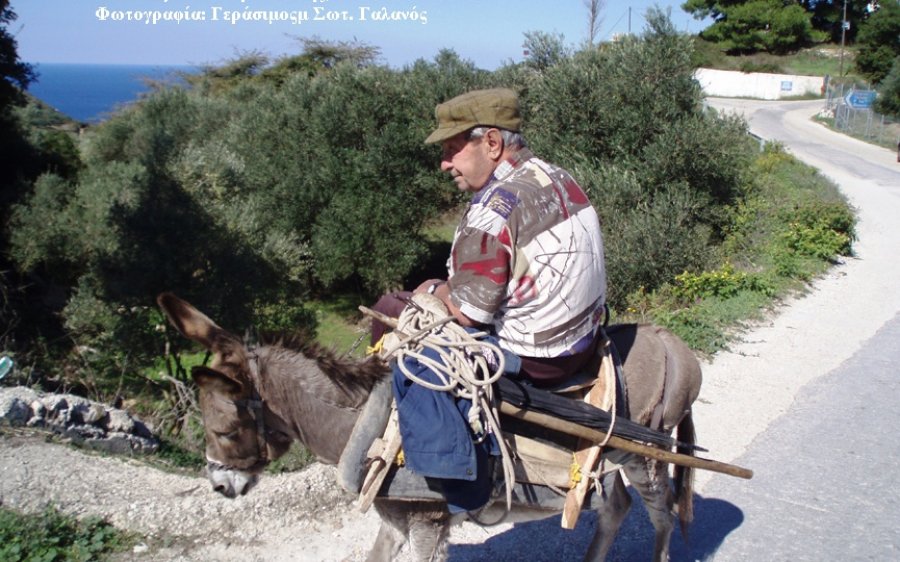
(446, 165)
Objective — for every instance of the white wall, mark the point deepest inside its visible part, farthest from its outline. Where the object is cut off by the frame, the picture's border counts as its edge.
(730, 84)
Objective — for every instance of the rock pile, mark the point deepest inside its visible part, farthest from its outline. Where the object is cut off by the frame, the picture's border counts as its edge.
(78, 420)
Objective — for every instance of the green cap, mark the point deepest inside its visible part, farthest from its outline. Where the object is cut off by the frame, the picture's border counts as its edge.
(498, 108)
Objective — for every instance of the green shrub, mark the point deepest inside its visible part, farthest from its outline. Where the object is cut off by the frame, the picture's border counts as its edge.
(820, 229)
(700, 330)
(878, 42)
(284, 315)
(297, 458)
(786, 227)
(649, 243)
(888, 101)
(724, 282)
(707, 54)
(750, 66)
(773, 156)
(53, 536)
(611, 101)
(627, 120)
(708, 156)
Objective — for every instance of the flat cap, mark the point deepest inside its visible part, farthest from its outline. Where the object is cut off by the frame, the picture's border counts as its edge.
(497, 107)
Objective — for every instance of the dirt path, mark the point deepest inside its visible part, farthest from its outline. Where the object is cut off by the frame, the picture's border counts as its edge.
(303, 516)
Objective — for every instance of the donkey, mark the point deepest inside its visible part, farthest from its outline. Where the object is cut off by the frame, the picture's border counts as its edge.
(256, 400)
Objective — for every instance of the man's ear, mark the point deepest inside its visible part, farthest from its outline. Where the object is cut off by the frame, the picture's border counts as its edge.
(494, 142)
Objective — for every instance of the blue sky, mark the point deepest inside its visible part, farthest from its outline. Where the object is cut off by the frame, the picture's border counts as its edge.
(486, 32)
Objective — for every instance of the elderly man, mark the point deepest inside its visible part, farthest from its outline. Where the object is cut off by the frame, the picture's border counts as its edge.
(527, 258)
(526, 263)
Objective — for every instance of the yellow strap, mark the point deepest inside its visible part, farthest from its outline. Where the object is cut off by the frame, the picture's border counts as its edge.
(574, 472)
(373, 349)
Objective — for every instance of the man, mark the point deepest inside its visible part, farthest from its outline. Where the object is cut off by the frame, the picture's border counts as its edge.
(527, 258)
(526, 263)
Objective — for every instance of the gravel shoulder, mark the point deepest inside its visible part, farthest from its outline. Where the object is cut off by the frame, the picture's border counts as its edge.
(304, 516)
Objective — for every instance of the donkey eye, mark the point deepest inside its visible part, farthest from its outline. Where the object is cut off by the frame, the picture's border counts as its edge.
(230, 436)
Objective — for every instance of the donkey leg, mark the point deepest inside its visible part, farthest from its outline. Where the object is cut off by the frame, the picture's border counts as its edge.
(651, 480)
(393, 532)
(424, 523)
(615, 506)
(428, 537)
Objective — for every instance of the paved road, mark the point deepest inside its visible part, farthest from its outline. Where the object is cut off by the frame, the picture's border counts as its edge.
(826, 485)
(826, 470)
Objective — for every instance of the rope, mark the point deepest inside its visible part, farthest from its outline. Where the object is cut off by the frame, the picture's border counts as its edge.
(467, 367)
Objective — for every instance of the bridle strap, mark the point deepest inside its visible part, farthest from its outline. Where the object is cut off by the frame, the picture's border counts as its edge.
(256, 405)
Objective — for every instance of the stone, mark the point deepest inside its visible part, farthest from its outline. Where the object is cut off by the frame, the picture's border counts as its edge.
(120, 421)
(90, 413)
(38, 414)
(14, 409)
(78, 420)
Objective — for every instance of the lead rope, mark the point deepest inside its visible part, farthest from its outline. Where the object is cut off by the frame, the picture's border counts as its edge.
(467, 367)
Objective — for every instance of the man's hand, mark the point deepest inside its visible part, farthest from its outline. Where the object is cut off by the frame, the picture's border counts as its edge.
(426, 286)
(440, 289)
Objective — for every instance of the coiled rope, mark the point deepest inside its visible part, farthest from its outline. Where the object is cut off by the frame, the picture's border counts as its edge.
(467, 366)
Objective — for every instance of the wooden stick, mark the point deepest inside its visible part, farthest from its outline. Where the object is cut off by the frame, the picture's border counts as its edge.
(570, 428)
(382, 465)
(601, 395)
(596, 436)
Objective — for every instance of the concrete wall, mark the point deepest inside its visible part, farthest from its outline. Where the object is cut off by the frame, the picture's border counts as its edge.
(729, 83)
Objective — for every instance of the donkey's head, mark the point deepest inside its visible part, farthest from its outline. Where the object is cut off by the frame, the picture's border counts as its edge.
(238, 442)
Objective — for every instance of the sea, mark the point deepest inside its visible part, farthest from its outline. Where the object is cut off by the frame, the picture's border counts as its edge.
(90, 93)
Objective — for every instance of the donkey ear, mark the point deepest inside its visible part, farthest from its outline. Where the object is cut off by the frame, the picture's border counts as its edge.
(215, 381)
(190, 322)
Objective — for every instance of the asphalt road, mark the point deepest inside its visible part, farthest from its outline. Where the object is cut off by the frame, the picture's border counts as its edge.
(827, 469)
(826, 485)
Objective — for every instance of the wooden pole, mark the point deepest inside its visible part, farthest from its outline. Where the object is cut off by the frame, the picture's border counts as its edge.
(596, 436)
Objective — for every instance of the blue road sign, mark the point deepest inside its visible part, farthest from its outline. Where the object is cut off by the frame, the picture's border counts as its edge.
(860, 99)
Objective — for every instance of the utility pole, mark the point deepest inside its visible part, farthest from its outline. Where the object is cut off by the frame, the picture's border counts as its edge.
(844, 25)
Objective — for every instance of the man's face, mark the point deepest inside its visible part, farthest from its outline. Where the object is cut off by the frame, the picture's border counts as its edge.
(467, 161)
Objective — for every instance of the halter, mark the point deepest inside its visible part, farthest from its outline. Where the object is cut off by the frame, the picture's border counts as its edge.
(256, 406)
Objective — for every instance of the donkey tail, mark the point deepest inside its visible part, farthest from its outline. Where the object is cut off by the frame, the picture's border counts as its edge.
(684, 476)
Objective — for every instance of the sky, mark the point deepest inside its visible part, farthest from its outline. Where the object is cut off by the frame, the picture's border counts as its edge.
(201, 32)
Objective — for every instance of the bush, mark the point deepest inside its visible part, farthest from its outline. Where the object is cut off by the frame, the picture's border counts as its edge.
(724, 282)
(820, 230)
(54, 536)
(626, 119)
(888, 101)
(750, 66)
(786, 228)
(757, 25)
(611, 101)
(878, 42)
(649, 237)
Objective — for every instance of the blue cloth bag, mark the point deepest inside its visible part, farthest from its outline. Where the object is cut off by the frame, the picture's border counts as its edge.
(437, 440)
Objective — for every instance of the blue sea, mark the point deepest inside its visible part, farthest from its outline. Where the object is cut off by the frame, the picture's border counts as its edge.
(90, 92)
